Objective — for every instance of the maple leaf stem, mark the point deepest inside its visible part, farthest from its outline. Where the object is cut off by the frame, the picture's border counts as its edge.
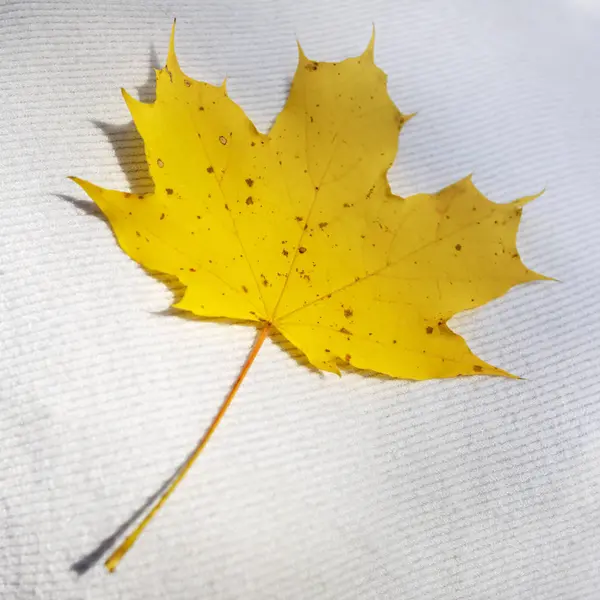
(116, 557)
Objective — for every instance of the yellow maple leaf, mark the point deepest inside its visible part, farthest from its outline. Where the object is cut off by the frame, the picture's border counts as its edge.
(298, 230)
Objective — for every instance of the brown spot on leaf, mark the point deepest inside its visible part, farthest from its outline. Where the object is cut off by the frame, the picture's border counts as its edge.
(169, 191)
(299, 219)
(201, 108)
(127, 195)
(210, 170)
(162, 216)
(160, 163)
(249, 182)
(192, 270)
(312, 66)
(348, 312)
(477, 368)
(138, 234)
(345, 331)
(284, 252)
(245, 289)
(458, 247)
(223, 140)
(226, 206)
(323, 225)
(302, 249)
(249, 200)
(187, 83)
(347, 358)
(429, 330)
(327, 350)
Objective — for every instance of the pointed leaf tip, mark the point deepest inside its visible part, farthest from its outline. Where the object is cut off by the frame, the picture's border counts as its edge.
(172, 62)
(302, 58)
(172, 38)
(91, 189)
(369, 52)
(135, 107)
(535, 276)
(487, 369)
(80, 182)
(527, 199)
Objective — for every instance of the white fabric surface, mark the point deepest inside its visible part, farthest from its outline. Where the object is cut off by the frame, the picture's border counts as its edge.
(314, 486)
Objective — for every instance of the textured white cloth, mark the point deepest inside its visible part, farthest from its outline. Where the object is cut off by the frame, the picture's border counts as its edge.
(314, 486)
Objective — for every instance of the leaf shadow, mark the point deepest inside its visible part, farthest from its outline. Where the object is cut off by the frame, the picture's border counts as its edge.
(288, 348)
(85, 206)
(125, 140)
(346, 368)
(128, 147)
(91, 559)
(173, 311)
(176, 288)
(147, 91)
